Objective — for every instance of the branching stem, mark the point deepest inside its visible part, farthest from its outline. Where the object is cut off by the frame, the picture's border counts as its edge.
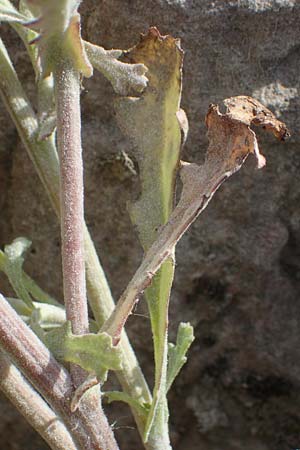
(33, 407)
(52, 381)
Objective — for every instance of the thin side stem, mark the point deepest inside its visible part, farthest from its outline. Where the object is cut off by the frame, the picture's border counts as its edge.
(52, 381)
(31, 405)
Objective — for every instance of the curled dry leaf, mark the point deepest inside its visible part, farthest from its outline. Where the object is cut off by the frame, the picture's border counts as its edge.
(231, 140)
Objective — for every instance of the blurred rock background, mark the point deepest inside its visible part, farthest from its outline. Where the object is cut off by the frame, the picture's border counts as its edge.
(238, 267)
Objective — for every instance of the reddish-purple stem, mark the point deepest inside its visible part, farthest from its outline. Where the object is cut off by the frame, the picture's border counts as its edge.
(91, 431)
(67, 84)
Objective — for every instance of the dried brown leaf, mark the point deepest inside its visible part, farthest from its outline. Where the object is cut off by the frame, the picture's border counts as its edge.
(231, 140)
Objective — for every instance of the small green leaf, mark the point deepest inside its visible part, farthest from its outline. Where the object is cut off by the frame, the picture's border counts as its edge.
(92, 352)
(177, 353)
(11, 263)
(8, 13)
(124, 77)
(141, 408)
(48, 316)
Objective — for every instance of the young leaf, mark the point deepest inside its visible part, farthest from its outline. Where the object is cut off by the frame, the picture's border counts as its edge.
(177, 353)
(124, 77)
(48, 316)
(11, 262)
(93, 352)
(118, 396)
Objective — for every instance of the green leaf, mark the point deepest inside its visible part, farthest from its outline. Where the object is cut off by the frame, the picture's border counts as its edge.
(118, 396)
(177, 353)
(11, 263)
(153, 123)
(92, 352)
(8, 13)
(48, 316)
(124, 77)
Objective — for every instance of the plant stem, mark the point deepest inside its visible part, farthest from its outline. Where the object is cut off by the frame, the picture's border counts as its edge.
(45, 160)
(67, 95)
(52, 381)
(31, 405)
(67, 85)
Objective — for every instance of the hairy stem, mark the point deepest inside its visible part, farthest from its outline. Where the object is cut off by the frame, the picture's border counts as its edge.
(45, 160)
(67, 93)
(31, 405)
(52, 381)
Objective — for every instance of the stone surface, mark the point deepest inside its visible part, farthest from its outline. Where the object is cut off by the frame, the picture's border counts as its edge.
(238, 267)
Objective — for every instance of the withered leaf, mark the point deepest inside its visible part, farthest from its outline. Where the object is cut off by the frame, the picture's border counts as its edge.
(230, 142)
(250, 111)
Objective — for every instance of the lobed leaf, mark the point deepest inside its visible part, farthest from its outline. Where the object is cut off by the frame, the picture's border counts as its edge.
(93, 352)
(124, 77)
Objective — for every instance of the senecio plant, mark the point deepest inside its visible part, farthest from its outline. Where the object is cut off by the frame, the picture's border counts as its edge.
(54, 360)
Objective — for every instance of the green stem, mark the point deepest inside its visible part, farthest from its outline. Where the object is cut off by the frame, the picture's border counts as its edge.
(158, 295)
